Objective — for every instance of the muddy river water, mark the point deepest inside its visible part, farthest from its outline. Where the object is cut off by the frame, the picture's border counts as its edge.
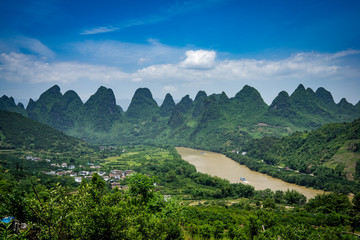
(219, 165)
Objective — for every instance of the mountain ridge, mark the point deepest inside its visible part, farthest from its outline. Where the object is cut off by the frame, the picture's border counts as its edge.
(226, 120)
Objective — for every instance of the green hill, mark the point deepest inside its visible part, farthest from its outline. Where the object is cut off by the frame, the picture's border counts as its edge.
(168, 105)
(142, 105)
(17, 131)
(332, 150)
(8, 104)
(101, 111)
(211, 122)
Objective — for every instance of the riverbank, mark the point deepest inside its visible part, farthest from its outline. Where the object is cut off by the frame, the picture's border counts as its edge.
(221, 166)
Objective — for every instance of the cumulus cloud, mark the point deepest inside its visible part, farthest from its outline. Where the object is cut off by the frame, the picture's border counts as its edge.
(198, 70)
(17, 67)
(298, 68)
(199, 59)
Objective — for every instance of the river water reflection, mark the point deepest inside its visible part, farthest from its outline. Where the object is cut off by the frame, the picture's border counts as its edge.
(219, 165)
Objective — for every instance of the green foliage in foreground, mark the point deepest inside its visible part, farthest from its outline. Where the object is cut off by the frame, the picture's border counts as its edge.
(92, 212)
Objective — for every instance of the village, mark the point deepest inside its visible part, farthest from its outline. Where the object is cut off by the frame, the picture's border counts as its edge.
(113, 177)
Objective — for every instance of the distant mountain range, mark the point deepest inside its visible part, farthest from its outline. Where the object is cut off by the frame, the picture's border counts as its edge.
(214, 120)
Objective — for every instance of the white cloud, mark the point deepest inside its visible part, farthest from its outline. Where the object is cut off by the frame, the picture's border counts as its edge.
(32, 45)
(198, 71)
(136, 79)
(17, 67)
(200, 59)
(178, 7)
(169, 89)
(127, 55)
(99, 30)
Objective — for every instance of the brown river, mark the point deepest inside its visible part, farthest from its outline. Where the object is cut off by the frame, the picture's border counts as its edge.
(221, 166)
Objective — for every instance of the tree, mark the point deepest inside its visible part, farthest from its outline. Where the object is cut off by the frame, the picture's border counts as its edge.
(97, 187)
(329, 203)
(294, 197)
(141, 187)
(356, 202)
(357, 170)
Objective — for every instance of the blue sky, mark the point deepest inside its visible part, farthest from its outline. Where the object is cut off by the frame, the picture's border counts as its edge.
(179, 47)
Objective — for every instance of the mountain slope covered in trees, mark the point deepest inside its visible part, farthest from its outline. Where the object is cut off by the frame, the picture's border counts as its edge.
(215, 120)
(327, 158)
(17, 131)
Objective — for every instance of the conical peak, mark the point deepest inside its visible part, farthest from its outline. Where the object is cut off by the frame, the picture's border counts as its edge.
(143, 96)
(322, 90)
(8, 99)
(247, 94)
(72, 96)
(167, 106)
(54, 88)
(200, 95)
(30, 105)
(168, 96)
(168, 100)
(283, 94)
(53, 91)
(246, 91)
(145, 92)
(142, 105)
(186, 98)
(223, 94)
(345, 105)
(20, 105)
(101, 96)
(102, 89)
(325, 95)
(185, 104)
(343, 101)
(281, 101)
(300, 91)
(223, 97)
(309, 90)
(300, 87)
(71, 93)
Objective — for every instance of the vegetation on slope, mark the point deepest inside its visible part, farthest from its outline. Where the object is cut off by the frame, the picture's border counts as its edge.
(309, 158)
(18, 131)
(213, 122)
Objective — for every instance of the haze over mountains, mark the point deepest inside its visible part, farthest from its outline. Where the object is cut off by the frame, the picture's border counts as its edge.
(218, 118)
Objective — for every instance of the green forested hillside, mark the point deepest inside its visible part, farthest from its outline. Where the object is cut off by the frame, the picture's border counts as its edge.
(17, 131)
(304, 151)
(8, 104)
(213, 122)
(169, 200)
(327, 157)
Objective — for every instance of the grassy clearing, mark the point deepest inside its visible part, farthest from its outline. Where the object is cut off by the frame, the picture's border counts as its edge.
(346, 157)
(135, 157)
